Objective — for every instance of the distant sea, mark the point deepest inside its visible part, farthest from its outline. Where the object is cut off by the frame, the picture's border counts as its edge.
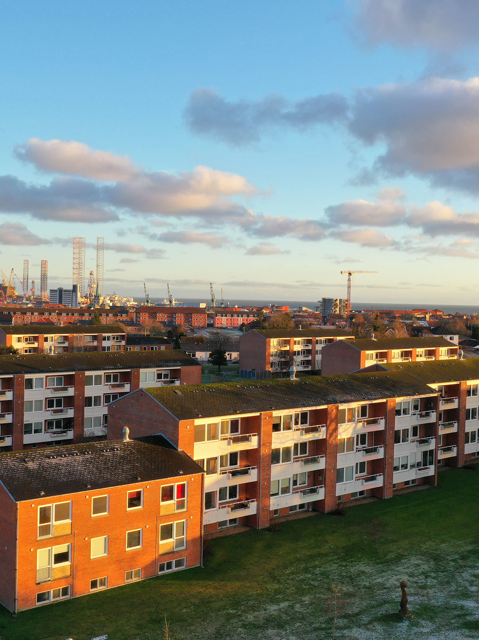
(357, 306)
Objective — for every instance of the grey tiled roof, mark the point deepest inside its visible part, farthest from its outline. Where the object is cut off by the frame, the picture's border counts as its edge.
(95, 465)
(194, 401)
(437, 372)
(368, 344)
(33, 363)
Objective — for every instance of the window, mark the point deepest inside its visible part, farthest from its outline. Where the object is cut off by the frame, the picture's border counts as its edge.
(94, 422)
(232, 522)
(360, 468)
(274, 491)
(472, 390)
(281, 456)
(401, 436)
(91, 381)
(112, 378)
(52, 558)
(212, 432)
(345, 474)
(210, 500)
(285, 486)
(33, 406)
(228, 493)
(401, 464)
(471, 437)
(54, 594)
(173, 534)
(148, 376)
(30, 428)
(211, 466)
(301, 418)
(471, 414)
(230, 427)
(99, 505)
(175, 493)
(172, 565)
(54, 403)
(98, 583)
(345, 445)
(55, 381)
(99, 547)
(111, 397)
(135, 499)
(300, 449)
(92, 401)
(134, 574)
(134, 539)
(162, 375)
(229, 460)
(54, 519)
(200, 433)
(300, 479)
(33, 383)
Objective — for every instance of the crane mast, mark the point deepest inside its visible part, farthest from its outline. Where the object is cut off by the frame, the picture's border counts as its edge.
(171, 301)
(351, 273)
(147, 296)
(213, 297)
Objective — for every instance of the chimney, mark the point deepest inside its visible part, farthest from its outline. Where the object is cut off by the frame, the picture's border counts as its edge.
(126, 434)
(292, 373)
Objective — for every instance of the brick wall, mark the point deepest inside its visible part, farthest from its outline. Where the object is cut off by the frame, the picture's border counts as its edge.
(8, 519)
(190, 375)
(79, 406)
(252, 352)
(339, 357)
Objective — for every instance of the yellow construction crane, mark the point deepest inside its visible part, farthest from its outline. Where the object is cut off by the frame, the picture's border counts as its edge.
(350, 273)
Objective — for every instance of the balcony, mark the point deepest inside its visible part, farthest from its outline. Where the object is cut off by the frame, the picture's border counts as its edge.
(61, 434)
(311, 432)
(371, 482)
(371, 424)
(5, 418)
(227, 444)
(173, 382)
(66, 412)
(371, 453)
(233, 510)
(447, 427)
(402, 359)
(48, 436)
(313, 463)
(58, 392)
(360, 484)
(6, 395)
(299, 465)
(471, 448)
(61, 343)
(422, 358)
(6, 441)
(448, 403)
(422, 472)
(447, 452)
(95, 432)
(119, 386)
(240, 475)
(424, 416)
(299, 496)
(303, 356)
(426, 443)
(27, 344)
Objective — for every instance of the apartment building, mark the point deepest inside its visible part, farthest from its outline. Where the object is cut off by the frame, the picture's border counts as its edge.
(277, 447)
(234, 317)
(67, 339)
(86, 517)
(147, 343)
(272, 352)
(350, 356)
(62, 399)
(61, 315)
(172, 316)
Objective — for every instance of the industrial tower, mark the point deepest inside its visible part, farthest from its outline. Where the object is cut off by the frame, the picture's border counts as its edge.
(25, 278)
(79, 265)
(100, 265)
(44, 280)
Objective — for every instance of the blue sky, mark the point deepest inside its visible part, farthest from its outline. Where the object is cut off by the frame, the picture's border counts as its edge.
(263, 147)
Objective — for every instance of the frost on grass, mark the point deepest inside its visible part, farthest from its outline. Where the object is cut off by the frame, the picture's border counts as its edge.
(443, 598)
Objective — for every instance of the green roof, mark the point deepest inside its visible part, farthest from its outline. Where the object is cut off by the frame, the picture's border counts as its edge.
(93, 361)
(67, 329)
(369, 344)
(439, 371)
(210, 400)
(303, 333)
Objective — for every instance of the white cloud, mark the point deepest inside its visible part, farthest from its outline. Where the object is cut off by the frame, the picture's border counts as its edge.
(14, 233)
(75, 158)
(265, 249)
(384, 212)
(268, 226)
(122, 247)
(442, 25)
(242, 122)
(192, 237)
(365, 237)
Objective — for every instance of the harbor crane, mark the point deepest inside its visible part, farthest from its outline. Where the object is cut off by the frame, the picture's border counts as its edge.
(171, 300)
(213, 297)
(147, 295)
(351, 273)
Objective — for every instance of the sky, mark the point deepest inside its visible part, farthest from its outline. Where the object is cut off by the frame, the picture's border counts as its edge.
(263, 147)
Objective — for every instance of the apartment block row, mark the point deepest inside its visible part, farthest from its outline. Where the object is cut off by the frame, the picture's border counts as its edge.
(61, 315)
(60, 399)
(194, 317)
(274, 351)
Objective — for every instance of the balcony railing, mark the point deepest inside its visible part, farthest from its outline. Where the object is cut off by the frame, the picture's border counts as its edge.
(238, 472)
(447, 427)
(238, 439)
(62, 412)
(5, 418)
(371, 424)
(6, 394)
(312, 460)
(61, 433)
(310, 491)
(6, 441)
(172, 382)
(447, 452)
(449, 400)
(422, 472)
(424, 416)
(425, 442)
(61, 391)
(371, 452)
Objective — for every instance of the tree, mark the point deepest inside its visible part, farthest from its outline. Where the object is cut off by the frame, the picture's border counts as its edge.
(95, 319)
(175, 334)
(280, 321)
(7, 351)
(218, 358)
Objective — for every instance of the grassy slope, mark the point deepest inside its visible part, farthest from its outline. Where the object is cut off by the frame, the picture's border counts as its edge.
(278, 585)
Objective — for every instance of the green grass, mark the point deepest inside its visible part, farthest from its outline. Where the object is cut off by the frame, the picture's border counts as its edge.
(263, 585)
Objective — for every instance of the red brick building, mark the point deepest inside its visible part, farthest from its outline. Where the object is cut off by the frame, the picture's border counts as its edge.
(59, 399)
(272, 352)
(62, 339)
(172, 316)
(79, 518)
(234, 317)
(277, 447)
(351, 356)
(62, 315)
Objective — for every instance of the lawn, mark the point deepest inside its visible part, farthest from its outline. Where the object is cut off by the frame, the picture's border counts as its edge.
(279, 585)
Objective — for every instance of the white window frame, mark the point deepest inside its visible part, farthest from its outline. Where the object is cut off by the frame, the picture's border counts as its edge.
(105, 547)
(103, 513)
(138, 546)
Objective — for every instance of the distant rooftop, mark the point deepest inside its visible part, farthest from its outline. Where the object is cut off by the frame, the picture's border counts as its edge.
(56, 471)
(437, 372)
(369, 344)
(219, 399)
(38, 329)
(303, 333)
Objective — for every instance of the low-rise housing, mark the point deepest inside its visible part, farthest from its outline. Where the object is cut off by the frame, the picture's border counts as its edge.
(82, 518)
(194, 317)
